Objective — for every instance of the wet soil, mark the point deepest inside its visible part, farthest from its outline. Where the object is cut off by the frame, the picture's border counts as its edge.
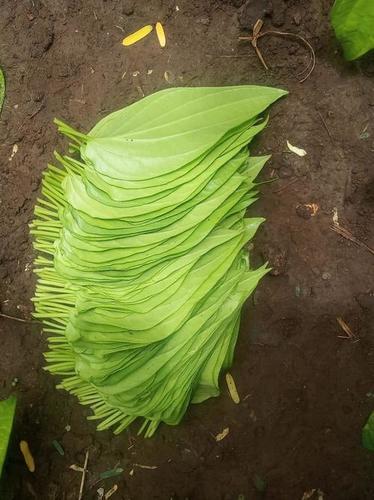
(305, 391)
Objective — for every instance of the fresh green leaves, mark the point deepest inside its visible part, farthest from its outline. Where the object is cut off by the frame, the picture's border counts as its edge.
(353, 22)
(117, 471)
(2, 88)
(7, 410)
(368, 433)
(143, 270)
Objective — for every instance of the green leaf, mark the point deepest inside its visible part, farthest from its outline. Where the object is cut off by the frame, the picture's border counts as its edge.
(144, 267)
(2, 88)
(368, 433)
(192, 120)
(58, 447)
(111, 473)
(353, 22)
(259, 483)
(7, 410)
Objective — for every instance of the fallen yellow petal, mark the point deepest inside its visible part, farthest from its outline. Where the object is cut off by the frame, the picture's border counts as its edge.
(160, 34)
(232, 388)
(24, 447)
(296, 150)
(222, 434)
(138, 35)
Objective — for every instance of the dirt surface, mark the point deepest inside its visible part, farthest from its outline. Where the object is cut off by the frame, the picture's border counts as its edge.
(306, 392)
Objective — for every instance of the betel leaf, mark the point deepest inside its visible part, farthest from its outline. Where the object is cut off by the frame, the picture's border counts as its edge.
(192, 120)
(353, 23)
(7, 410)
(143, 266)
(368, 433)
(2, 88)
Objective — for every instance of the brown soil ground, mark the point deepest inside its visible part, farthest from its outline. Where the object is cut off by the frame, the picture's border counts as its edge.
(306, 392)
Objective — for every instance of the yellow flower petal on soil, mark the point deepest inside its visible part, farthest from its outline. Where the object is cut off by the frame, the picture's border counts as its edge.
(232, 388)
(29, 459)
(296, 150)
(138, 35)
(222, 434)
(160, 34)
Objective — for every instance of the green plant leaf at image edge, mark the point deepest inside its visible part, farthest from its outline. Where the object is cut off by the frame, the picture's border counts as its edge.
(368, 433)
(7, 410)
(353, 23)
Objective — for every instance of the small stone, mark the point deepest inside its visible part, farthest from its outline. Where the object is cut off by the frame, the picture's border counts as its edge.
(169, 76)
(326, 276)
(297, 18)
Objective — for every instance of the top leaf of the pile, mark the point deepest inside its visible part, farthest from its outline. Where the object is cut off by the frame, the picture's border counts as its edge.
(170, 128)
(368, 433)
(353, 22)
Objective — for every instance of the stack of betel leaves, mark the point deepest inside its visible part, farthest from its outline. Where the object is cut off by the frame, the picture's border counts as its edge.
(142, 267)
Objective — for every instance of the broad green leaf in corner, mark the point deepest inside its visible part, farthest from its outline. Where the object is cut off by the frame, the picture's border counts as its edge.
(2, 88)
(368, 433)
(7, 410)
(353, 23)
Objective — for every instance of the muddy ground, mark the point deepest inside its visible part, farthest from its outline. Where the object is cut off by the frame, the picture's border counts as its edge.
(306, 392)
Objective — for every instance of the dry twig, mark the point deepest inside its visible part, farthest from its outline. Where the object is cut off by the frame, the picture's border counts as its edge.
(346, 329)
(14, 318)
(257, 33)
(286, 185)
(83, 476)
(150, 467)
(349, 236)
(326, 127)
(111, 492)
